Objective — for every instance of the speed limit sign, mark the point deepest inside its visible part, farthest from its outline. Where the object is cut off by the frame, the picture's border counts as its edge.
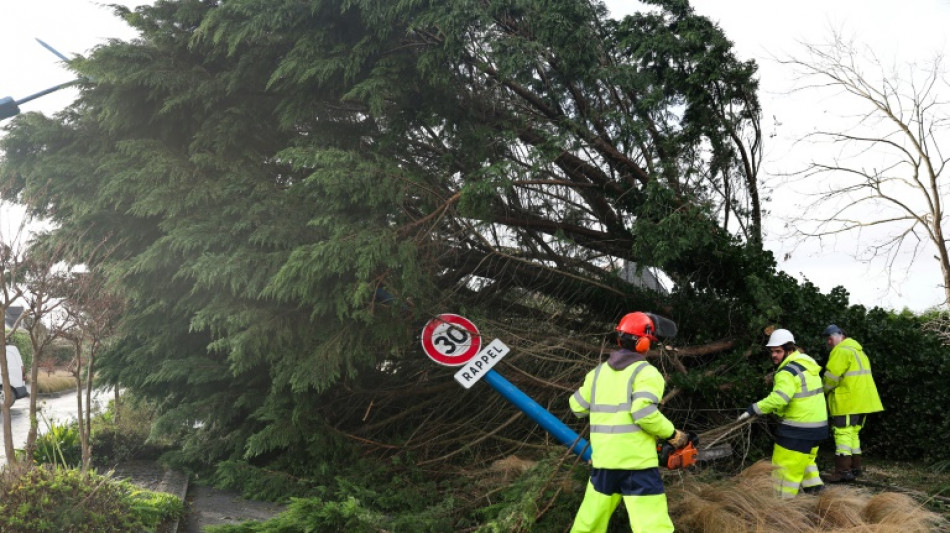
(451, 340)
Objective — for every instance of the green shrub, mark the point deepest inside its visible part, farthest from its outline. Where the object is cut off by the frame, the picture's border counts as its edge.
(912, 372)
(21, 340)
(313, 514)
(59, 445)
(127, 436)
(517, 505)
(62, 352)
(49, 499)
(260, 484)
(366, 496)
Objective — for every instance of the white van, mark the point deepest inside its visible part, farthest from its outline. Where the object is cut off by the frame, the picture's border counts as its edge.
(15, 370)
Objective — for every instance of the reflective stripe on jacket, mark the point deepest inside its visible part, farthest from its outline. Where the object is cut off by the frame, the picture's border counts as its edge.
(797, 399)
(848, 381)
(624, 418)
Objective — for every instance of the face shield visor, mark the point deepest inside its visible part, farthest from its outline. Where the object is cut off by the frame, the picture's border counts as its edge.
(665, 328)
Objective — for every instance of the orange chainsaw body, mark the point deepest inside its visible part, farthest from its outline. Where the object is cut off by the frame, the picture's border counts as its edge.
(679, 458)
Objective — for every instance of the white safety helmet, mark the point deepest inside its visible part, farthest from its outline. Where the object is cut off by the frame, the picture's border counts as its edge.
(780, 337)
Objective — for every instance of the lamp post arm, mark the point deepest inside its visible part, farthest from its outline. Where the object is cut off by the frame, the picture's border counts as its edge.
(46, 91)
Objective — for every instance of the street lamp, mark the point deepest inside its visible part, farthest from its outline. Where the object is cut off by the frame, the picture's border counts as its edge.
(11, 108)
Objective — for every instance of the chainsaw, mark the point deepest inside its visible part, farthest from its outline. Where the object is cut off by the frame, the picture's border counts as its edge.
(687, 455)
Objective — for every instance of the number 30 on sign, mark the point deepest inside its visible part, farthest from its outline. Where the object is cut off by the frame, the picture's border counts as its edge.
(451, 340)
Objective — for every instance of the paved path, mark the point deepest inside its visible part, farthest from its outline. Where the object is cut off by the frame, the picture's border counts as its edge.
(206, 506)
(209, 506)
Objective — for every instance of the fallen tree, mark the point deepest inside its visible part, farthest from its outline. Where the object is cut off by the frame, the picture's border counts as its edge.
(290, 190)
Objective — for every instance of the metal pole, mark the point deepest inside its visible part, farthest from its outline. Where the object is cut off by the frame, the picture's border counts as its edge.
(539, 414)
(51, 49)
(45, 92)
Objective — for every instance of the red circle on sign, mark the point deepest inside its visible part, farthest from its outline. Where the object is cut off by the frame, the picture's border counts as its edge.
(451, 340)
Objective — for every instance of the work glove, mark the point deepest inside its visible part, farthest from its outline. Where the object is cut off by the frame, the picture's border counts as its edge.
(744, 416)
(678, 439)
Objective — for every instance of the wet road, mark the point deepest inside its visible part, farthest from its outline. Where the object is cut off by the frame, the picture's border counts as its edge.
(53, 409)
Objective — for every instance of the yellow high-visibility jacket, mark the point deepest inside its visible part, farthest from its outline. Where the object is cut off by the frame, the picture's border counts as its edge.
(797, 399)
(848, 383)
(624, 419)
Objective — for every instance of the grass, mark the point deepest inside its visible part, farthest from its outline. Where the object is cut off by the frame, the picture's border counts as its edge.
(58, 381)
(927, 483)
(745, 503)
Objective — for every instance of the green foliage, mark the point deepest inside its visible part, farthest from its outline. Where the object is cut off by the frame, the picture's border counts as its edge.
(59, 445)
(524, 504)
(116, 439)
(51, 499)
(260, 484)
(21, 339)
(315, 515)
(152, 508)
(61, 352)
(364, 496)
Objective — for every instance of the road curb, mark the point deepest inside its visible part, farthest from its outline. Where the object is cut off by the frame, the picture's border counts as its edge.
(150, 475)
(175, 482)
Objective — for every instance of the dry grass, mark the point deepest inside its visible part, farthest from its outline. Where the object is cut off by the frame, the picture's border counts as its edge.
(512, 466)
(746, 504)
(57, 382)
(502, 472)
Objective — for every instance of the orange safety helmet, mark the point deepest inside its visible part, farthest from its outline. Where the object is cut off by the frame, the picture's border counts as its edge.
(639, 325)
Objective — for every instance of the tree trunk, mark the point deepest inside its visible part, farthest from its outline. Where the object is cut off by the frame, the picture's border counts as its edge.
(944, 259)
(34, 375)
(80, 419)
(8, 400)
(115, 416)
(87, 434)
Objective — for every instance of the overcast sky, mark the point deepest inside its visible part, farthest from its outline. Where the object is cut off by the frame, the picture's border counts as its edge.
(908, 32)
(911, 31)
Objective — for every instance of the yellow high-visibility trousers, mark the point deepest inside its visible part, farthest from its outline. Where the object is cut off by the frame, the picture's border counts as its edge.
(794, 470)
(847, 441)
(648, 513)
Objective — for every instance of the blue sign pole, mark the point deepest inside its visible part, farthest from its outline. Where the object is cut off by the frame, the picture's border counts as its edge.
(539, 414)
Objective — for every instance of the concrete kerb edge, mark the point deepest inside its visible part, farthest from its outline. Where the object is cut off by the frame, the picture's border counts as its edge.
(180, 481)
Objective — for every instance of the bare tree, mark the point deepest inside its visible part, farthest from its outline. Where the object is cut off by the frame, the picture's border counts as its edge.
(45, 285)
(93, 311)
(884, 183)
(11, 272)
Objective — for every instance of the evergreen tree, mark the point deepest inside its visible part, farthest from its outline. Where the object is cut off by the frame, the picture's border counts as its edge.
(289, 189)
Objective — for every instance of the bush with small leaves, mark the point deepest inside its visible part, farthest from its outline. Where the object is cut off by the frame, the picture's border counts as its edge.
(50, 499)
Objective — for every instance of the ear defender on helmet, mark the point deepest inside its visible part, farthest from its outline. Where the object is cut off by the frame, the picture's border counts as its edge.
(645, 327)
(643, 345)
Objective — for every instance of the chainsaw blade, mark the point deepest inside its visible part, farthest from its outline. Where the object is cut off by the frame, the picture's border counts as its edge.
(716, 452)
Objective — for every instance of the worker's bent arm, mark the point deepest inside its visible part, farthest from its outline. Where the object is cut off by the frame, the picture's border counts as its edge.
(782, 391)
(647, 392)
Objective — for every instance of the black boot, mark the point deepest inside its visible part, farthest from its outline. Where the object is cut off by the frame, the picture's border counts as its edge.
(856, 465)
(842, 470)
